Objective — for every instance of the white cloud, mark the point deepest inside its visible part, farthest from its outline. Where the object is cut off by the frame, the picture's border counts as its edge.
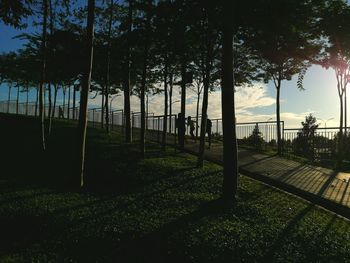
(247, 99)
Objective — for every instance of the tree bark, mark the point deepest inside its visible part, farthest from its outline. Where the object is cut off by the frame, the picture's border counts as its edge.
(74, 100)
(53, 108)
(17, 100)
(230, 156)
(85, 90)
(181, 120)
(64, 99)
(170, 101)
(68, 111)
(165, 119)
(9, 98)
(36, 102)
(197, 112)
(143, 88)
(103, 105)
(278, 116)
(108, 62)
(127, 111)
(50, 102)
(43, 75)
(27, 99)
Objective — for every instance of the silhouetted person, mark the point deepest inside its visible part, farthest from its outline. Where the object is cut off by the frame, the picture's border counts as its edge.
(60, 112)
(180, 126)
(208, 130)
(190, 123)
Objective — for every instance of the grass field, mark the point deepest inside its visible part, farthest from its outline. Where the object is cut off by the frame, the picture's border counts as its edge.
(159, 208)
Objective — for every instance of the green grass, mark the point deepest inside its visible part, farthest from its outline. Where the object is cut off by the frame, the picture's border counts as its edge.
(159, 208)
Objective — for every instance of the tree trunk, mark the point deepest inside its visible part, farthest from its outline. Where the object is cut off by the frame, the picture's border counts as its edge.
(74, 100)
(85, 90)
(43, 75)
(204, 119)
(64, 100)
(345, 112)
(102, 106)
(53, 108)
(68, 111)
(170, 101)
(9, 98)
(230, 155)
(197, 112)
(278, 116)
(181, 120)
(36, 102)
(108, 63)
(143, 88)
(165, 119)
(127, 111)
(27, 99)
(17, 100)
(50, 102)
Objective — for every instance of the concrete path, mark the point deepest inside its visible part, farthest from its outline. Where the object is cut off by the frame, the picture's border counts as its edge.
(321, 182)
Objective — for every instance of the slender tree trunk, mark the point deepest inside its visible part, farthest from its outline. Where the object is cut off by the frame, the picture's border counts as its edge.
(17, 100)
(36, 102)
(64, 100)
(9, 98)
(53, 108)
(230, 156)
(74, 100)
(27, 99)
(127, 111)
(43, 75)
(143, 88)
(197, 113)
(68, 112)
(345, 112)
(50, 102)
(102, 106)
(206, 80)
(278, 116)
(165, 120)
(170, 101)
(85, 90)
(341, 118)
(181, 121)
(108, 62)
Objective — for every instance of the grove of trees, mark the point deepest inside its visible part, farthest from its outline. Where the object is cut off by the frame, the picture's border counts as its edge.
(136, 46)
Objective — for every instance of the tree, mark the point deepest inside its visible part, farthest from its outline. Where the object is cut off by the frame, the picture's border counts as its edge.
(285, 35)
(304, 143)
(336, 55)
(43, 73)
(85, 90)
(208, 44)
(256, 139)
(13, 11)
(230, 154)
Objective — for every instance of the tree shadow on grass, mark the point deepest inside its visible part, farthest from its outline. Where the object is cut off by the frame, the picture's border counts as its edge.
(155, 247)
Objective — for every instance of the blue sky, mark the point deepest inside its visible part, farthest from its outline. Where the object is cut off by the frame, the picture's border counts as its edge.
(255, 103)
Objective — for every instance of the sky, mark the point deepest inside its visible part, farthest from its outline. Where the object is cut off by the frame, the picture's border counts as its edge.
(255, 103)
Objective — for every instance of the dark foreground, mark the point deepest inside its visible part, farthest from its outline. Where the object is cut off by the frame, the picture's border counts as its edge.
(160, 208)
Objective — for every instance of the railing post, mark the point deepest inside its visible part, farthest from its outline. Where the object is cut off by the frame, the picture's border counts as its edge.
(217, 126)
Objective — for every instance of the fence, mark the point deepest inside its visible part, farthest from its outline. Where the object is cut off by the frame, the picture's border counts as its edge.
(322, 145)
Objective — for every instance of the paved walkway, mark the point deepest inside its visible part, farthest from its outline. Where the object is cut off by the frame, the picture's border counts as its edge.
(320, 182)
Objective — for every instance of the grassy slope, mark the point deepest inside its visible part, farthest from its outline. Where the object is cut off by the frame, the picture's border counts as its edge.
(160, 207)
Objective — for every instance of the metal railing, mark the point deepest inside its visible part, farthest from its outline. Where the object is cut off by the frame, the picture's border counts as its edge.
(322, 145)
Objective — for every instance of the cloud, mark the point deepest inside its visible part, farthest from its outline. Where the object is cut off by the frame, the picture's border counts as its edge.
(247, 99)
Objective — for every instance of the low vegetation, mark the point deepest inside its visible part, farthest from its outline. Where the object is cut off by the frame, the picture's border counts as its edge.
(160, 207)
